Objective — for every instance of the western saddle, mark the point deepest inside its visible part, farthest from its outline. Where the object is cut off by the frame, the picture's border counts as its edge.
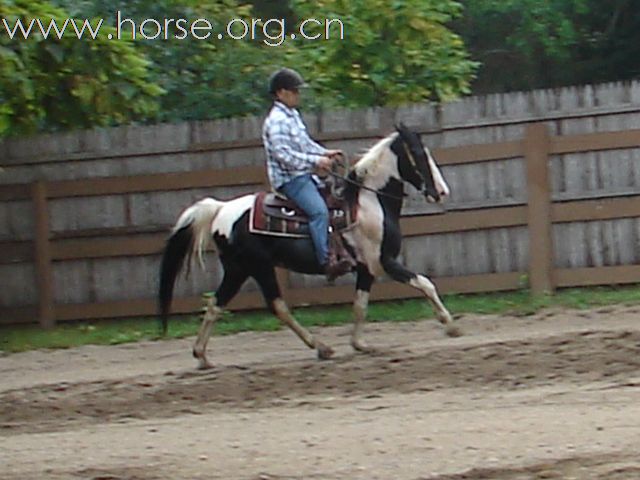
(275, 215)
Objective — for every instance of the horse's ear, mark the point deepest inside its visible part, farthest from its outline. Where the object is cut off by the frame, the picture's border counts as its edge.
(401, 127)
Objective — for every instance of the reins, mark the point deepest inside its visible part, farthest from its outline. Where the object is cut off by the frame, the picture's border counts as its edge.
(346, 179)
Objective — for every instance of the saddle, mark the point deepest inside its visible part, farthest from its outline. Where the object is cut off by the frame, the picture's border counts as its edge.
(276, 215)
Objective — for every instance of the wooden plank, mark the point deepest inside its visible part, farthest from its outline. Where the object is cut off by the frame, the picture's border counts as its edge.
(592, 276)
(559, 197)
(18, 315)
(589, 142)
(462, 221)
(245, 175)
(114, 244)
(373, 135)
(593, 210)
(16, 252)
(490, 282)
(18, 191)
(44, 268)
(547, 116)
(474, 123)
(127, 231)
(122, 309)
(73, 249)
(536, 144)
(256, 175)
(148, 307)
(158, 182)
(478, 153)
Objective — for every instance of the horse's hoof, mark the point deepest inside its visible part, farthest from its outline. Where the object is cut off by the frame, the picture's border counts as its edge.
(205, 365)
(364, 348)
(325, 352)
(453, 331)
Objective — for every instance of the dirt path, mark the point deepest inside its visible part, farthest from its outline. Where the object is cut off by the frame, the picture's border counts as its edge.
(551, 396)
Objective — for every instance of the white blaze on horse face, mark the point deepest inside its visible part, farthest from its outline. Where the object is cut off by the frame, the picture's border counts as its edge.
(438, 179)
(366, 237)
(230, 213)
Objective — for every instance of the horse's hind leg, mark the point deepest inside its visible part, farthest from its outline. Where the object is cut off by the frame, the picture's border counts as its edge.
(231, 283)
(401, 274)
(268, 283)
(281, 310)
(211, 316)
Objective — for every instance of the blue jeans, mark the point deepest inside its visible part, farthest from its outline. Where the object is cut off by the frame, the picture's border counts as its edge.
(304, 192)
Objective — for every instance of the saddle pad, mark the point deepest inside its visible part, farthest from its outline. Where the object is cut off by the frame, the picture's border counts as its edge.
(272, 214)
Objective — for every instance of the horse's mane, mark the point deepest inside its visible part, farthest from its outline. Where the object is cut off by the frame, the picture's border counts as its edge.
(370, 162)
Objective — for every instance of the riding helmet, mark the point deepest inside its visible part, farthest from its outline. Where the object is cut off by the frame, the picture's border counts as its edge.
(285, 78)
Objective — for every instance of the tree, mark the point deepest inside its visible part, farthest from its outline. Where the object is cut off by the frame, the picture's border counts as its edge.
(393, 52)
(59, 83)
(203, 78)
(528, 44)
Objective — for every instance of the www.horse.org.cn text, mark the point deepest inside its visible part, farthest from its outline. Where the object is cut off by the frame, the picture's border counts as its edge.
(272, 32)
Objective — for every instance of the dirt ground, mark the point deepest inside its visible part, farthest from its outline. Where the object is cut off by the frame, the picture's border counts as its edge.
(550, 396)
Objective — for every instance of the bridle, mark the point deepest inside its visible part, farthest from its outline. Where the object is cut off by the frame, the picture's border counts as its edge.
(344, 164)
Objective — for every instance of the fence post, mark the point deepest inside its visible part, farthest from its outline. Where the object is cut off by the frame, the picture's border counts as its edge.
(541, 256)
(44, 268)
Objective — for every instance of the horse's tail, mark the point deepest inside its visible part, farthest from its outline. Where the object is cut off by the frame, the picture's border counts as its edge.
(190, 235)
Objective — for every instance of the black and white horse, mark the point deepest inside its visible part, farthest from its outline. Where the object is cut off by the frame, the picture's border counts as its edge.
(376, 184)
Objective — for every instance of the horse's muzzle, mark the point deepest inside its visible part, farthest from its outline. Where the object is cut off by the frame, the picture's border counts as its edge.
(433, 197)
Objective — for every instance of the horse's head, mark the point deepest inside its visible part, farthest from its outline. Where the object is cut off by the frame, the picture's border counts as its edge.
(417, 166)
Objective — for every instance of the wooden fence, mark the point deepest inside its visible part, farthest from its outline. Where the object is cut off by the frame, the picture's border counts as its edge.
(84, 214)
(536, 221)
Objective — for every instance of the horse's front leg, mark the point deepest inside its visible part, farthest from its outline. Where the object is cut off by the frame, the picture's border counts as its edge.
(401, 274)
(360, 306)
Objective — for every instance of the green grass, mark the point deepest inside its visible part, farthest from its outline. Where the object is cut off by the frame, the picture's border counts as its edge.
(111, 332)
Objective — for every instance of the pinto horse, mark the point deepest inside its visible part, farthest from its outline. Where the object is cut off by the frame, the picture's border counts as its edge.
(375, 184)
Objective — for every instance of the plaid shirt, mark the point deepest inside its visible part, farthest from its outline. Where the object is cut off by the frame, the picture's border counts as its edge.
(290, 151)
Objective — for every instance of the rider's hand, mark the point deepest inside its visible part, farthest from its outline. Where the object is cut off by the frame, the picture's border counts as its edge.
(325, 163)
(334, 153)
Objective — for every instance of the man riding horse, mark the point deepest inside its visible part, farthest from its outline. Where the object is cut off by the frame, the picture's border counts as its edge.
(374, 195)
(293, 158)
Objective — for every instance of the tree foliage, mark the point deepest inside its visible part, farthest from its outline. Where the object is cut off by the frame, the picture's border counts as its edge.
(202, 79)
(527, 44)
(66, 83)
(393, 52)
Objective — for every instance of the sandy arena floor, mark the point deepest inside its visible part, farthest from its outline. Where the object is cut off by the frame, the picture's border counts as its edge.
(550, 396)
